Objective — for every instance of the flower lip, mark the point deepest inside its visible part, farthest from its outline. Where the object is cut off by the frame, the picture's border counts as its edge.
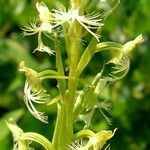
(38, 97)
(42, 48)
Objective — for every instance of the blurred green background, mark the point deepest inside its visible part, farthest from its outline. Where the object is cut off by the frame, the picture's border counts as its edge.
(130, 96)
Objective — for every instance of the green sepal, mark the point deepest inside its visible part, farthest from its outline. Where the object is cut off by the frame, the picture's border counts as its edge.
(87, 55)
(54, 100)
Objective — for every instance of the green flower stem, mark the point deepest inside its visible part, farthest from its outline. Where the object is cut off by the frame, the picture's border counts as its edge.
(57, 77)
(83, 81)
(47, 73)
(63, 134)
(127, 47)
(75, 31)
(70, 96)
(39, 139)
(108, 46)
(64, 131)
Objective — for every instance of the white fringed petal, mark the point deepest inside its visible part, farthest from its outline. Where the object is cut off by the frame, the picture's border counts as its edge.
(38, 97)
(88, 22)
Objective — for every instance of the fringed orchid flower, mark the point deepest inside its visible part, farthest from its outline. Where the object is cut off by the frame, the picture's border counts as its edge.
(34, 92)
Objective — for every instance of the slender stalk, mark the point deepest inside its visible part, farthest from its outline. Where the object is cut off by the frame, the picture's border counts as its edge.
(39, 139)
(64, 122)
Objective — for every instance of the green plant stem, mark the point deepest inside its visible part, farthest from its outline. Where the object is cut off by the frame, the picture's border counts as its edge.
(39, 139)
(63, 134)
(75, 33)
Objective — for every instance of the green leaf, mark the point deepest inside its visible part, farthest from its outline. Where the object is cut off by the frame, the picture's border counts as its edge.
(87, 55)
(54, 100)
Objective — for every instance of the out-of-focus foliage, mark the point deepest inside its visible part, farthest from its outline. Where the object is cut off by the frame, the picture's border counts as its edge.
(130, 96)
